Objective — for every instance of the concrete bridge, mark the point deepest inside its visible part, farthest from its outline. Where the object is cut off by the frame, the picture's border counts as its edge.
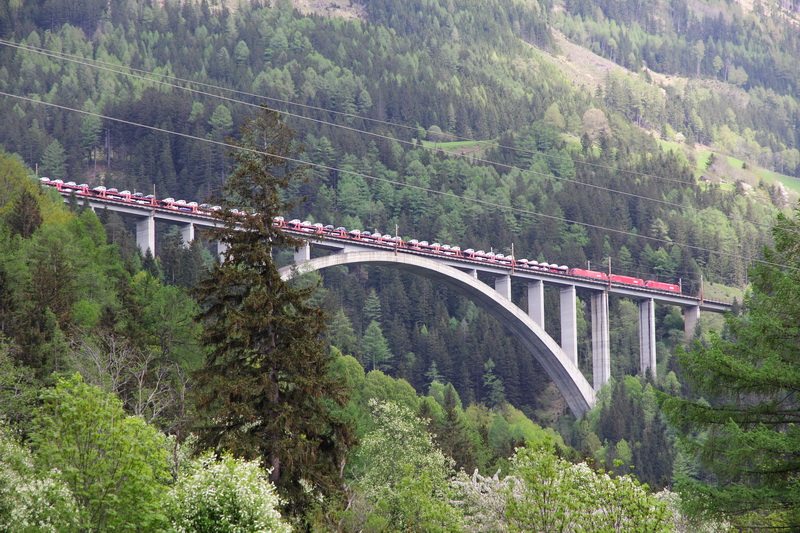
(559, 359)
(147, 216)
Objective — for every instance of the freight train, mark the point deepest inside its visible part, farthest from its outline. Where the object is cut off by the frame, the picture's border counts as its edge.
(341, 233)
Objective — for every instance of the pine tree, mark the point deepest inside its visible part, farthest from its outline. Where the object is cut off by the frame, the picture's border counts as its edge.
(54, 161)
(495, 390)
(372, 307)
(265, 390)
(150, 264)
(342, 335)
(452, 435)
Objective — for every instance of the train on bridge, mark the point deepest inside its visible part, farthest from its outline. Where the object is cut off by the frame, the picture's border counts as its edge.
(341, 233)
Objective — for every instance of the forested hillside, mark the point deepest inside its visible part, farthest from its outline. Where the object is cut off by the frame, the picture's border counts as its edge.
(457, 121)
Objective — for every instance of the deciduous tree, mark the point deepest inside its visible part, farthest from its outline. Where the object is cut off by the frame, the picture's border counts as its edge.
(403, 476)
(115, 465)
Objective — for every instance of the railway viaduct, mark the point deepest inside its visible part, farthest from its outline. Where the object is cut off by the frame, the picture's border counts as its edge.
(559, 359)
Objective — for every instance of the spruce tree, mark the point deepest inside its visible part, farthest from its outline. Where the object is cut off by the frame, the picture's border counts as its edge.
(372, 308)
(25, 216)
(265, 390)
(745, 430)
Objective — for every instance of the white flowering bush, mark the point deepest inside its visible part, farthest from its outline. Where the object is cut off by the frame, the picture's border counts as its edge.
(550, 494)
(30, 502)
(228, 495)
(483, 501)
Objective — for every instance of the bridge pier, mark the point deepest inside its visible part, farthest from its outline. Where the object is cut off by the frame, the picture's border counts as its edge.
(691, 316)
(569, 323)
(222, 248)
(536, 301)
(502, 284)
(146, 234)
(601, 343)
(647, 335)
(187, 232)
(303, 253)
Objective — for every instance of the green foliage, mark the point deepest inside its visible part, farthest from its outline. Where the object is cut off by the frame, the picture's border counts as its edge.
(165, 323)
(402, 476)
(265, 391)
(115, 465)
(13, 175)
(743, 431)
(379, 386)
(225, 495)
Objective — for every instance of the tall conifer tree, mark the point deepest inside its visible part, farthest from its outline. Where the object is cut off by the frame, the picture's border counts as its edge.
(265, 390)
(749, 436)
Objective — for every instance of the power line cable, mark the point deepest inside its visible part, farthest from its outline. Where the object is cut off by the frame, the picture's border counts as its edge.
(400, 184)
(94, 62)
(90, 63)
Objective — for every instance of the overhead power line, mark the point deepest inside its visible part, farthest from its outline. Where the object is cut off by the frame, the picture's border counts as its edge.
(126, 70)
(147, 76)
(428, 190)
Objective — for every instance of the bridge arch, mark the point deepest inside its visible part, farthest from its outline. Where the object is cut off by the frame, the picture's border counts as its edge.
(577, 391)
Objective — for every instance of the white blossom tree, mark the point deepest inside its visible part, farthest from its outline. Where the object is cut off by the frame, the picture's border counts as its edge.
(224, 496)
(31, 500)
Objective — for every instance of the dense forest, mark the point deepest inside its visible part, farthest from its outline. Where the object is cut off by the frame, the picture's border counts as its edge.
(450, 120)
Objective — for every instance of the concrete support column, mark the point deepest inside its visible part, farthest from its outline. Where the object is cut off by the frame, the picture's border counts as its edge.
(536, 301)
(472, 272)
(601, 343)
(187, 232)
(569, 323)
(222, 248)
(502, 284)
(303, 253)
(647, 335)
(146, 234)
(691, 316)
